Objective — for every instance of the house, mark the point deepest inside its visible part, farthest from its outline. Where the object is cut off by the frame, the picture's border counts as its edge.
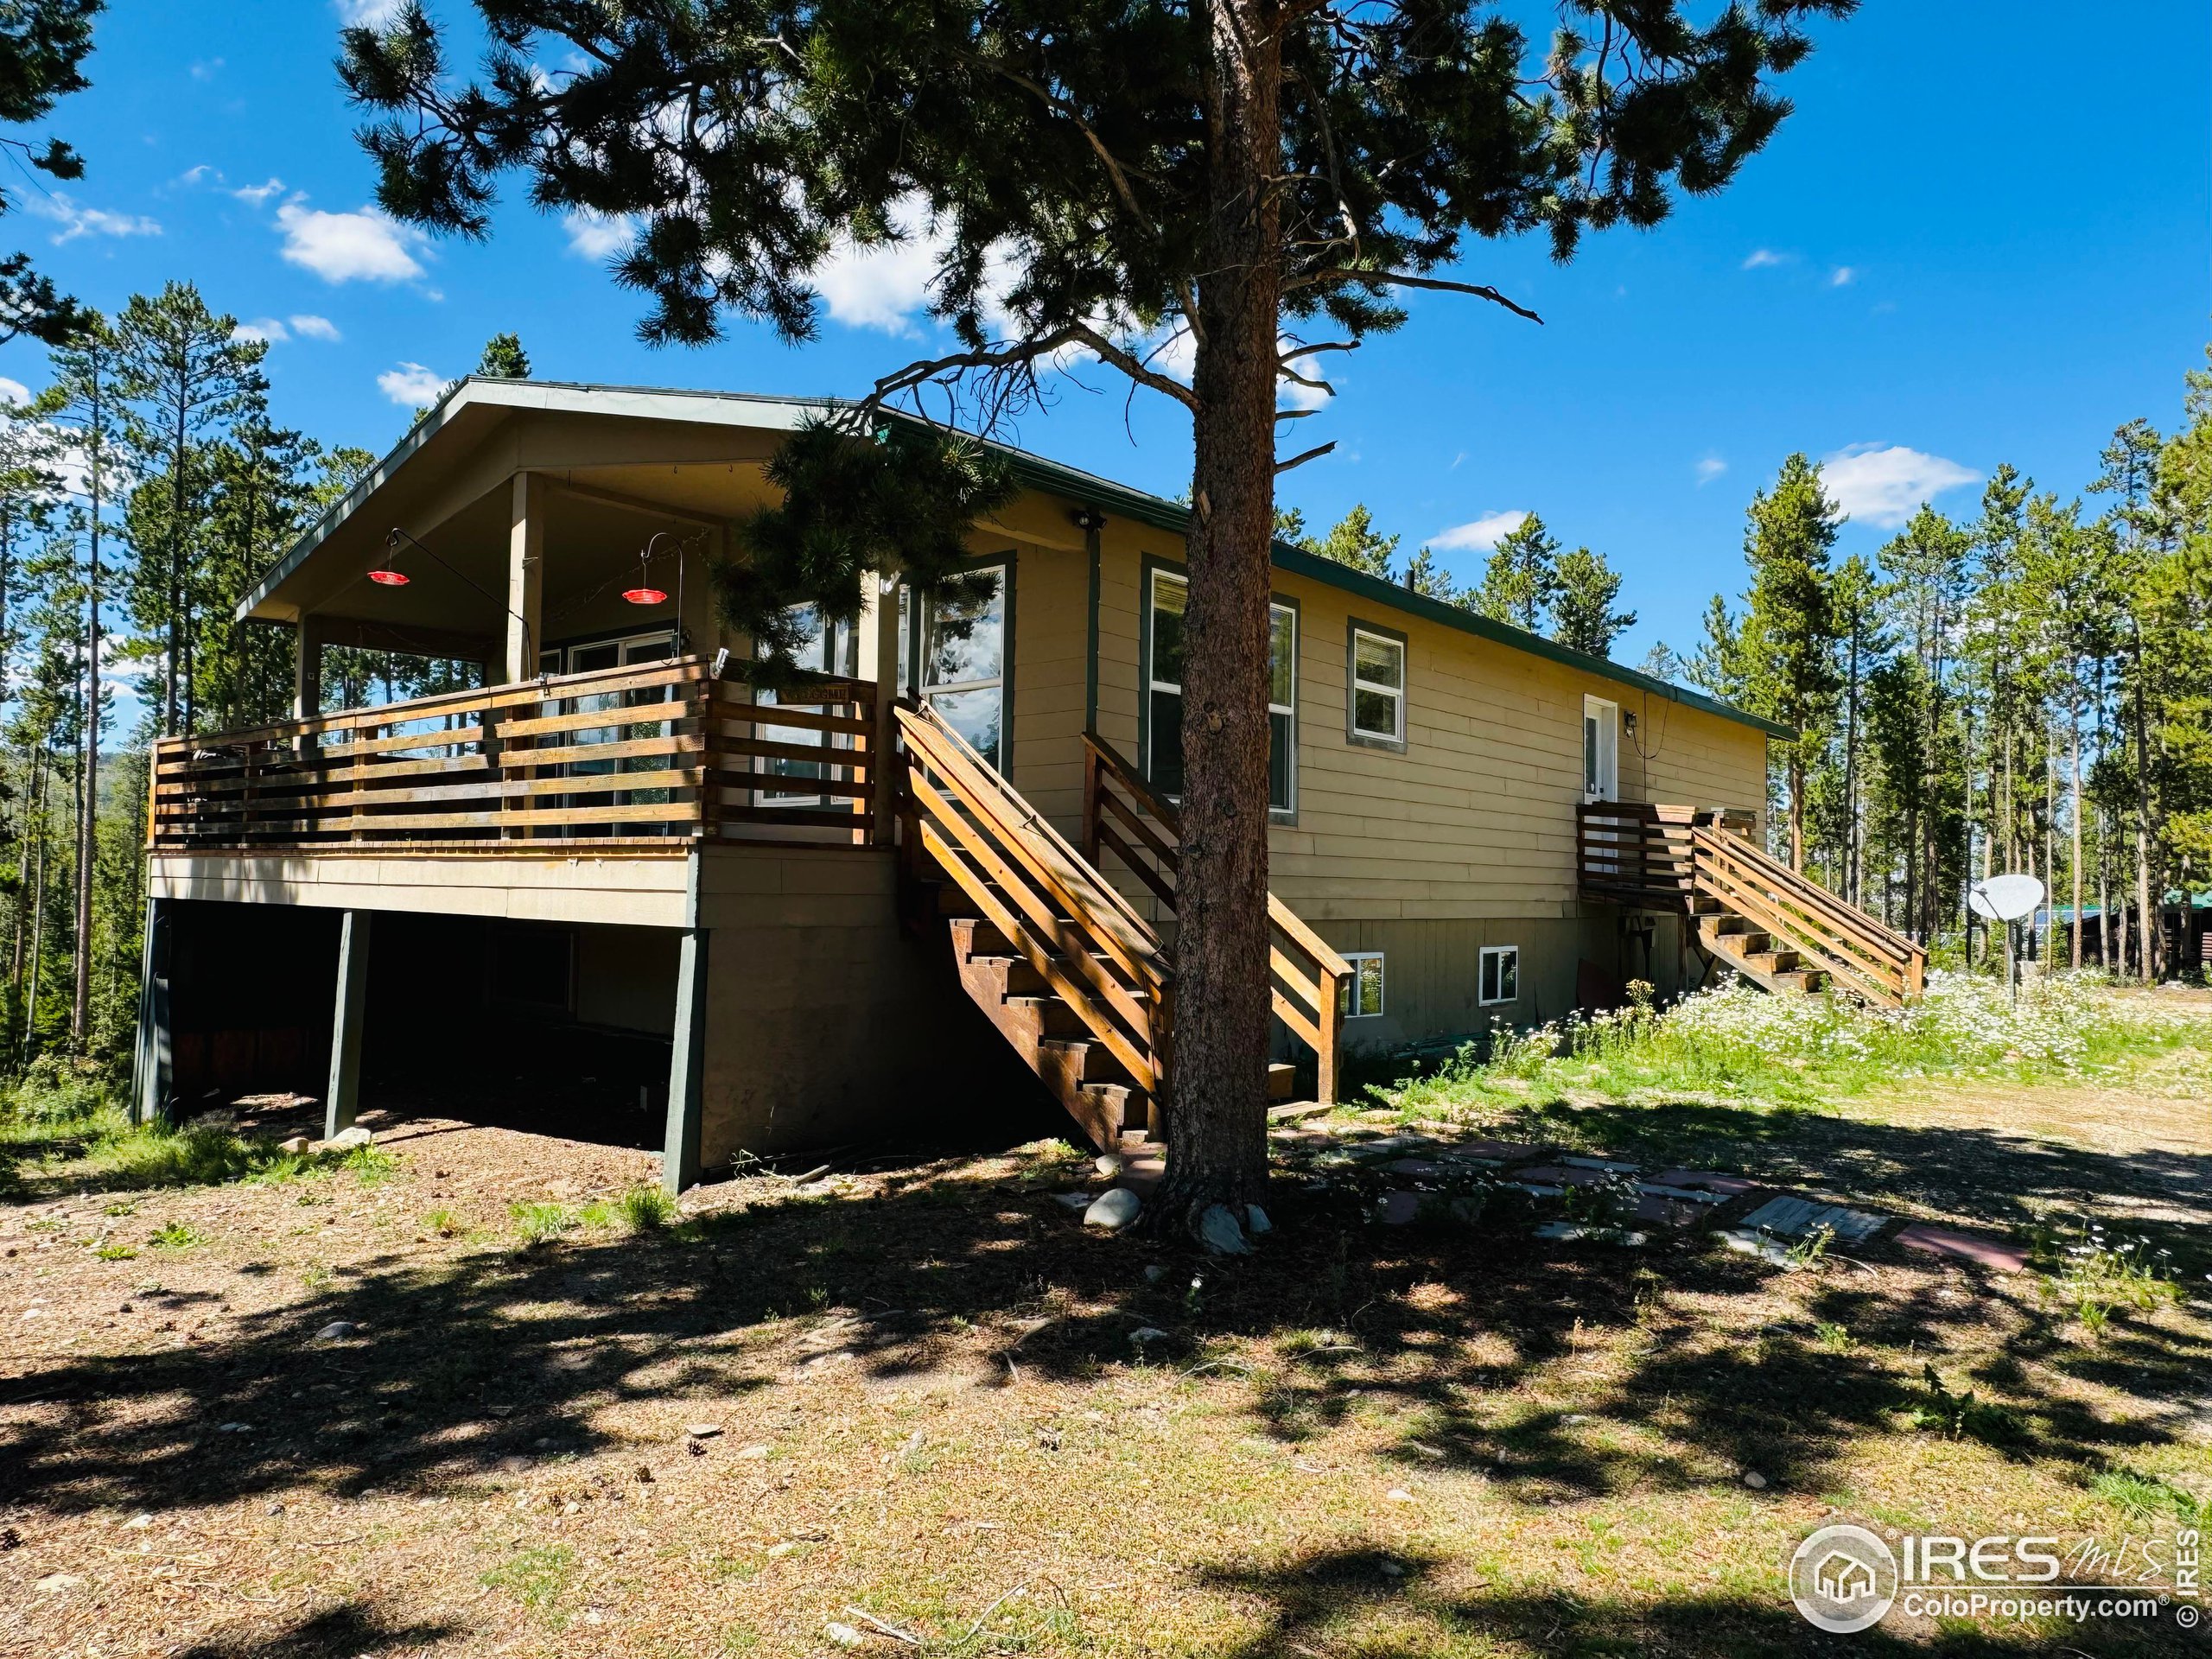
(939, 870)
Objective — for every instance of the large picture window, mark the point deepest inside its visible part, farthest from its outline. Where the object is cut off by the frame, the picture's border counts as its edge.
(962, 658)
(1166, 599)
(826, 649)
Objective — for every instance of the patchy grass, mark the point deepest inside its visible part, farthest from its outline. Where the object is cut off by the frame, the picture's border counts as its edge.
(927, 1402)
(1737, 1042)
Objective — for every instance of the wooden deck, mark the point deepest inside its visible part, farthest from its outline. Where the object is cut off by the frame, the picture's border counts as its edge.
(641, 760)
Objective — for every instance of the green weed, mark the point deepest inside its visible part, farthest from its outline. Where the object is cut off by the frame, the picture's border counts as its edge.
(115, 1253)
(2144, 1497)
(643, 1208)
(1833, 1338)
(541, 1223)
(1962, 1416)
(443, 1223)
(176, 1236)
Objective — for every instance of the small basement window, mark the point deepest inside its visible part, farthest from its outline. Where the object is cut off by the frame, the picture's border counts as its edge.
(1500, 973)
(1378, 688)
(1360, 995)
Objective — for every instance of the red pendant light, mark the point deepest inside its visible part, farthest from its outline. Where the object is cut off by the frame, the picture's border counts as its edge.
(638, 595)
(385, 576)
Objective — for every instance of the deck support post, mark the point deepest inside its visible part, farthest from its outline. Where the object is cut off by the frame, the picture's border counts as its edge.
(687, 1064)
(342, 1097)
(526, 577)
(880, 618)
(153, 1055)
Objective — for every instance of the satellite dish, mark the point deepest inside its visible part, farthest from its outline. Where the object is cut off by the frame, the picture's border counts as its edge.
(2005, 898)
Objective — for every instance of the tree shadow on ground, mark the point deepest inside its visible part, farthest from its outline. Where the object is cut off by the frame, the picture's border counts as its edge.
(342, 1632)
(1979, 1176)
(472, 1367)
(1381, 1604)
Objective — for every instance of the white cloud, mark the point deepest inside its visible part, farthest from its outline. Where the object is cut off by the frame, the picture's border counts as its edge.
(1482, 534)
(308, 326)
(14, 391)
(202, 173)
(268, 328)
(410, 385)
(883, 286)
(349, 247)
(1881, 483)
(1842, 277)
(77, 221)
(1762, 257)
(259, 195)
(1710, 469)
(206, 68)
(598, 236)
(374, 14)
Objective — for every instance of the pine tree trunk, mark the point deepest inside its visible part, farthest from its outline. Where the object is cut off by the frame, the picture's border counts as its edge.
(2074, 862)
(2146, 955)
(1217, 1115)
(43, 808)
(80, 1012)
(1797, 810)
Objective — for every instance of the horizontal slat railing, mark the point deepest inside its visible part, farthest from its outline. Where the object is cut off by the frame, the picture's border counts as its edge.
(1636, 852)
(637, 758)
(1097, 955)
(1122, 814)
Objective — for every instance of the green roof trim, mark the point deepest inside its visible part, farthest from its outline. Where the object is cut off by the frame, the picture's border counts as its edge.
(1033, 470)
(1174, 516)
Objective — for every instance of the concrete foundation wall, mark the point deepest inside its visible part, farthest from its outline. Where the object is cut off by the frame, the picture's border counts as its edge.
(826, 1022)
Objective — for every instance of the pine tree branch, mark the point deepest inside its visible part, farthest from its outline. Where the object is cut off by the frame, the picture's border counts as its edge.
(1404, 279)
(1303, 456)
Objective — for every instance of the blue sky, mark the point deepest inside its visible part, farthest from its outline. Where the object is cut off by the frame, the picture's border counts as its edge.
(1982, 237)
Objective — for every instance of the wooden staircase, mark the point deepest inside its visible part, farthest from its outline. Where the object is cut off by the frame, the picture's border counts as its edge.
(1067, 969)
(1775, 927)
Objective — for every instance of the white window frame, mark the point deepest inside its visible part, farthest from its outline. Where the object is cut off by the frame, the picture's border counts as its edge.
(834, 650)
(1502, 954)
(1396, 737)
(1348, 991)
(914, 655)
(1288, 807)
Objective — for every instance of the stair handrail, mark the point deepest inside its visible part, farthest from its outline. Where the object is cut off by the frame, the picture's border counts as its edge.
(994, 846)
(1140, 936)
(1856, 948)
(1316, 1013)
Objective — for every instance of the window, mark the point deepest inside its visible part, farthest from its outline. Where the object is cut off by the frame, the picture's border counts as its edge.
(1500, 973)
(1377, 709)
(962, 657)
(825, 650)
(1169, 594)
(1360, 995)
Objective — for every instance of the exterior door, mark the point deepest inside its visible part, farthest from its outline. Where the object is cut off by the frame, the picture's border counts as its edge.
(1601, 750)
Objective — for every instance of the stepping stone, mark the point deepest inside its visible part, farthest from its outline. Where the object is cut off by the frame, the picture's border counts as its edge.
(1298, 1110)
(1994, 1253)
(1800, 1217)
(1572, 1232)
(1141, 1175)
(1402, 1209)
(1747, 1243)
(1711, 1180)
(1612, 1165)
(1494, 1152)
(1424, 1167)
(1682, 1194)
(1663, 1212)
(1537, 1190)
(1384, 1145)
(1562, 1175)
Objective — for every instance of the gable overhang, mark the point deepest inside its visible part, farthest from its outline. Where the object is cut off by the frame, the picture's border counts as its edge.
(470, 409)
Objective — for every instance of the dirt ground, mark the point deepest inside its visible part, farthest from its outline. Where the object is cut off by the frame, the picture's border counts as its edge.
(915, 1406)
